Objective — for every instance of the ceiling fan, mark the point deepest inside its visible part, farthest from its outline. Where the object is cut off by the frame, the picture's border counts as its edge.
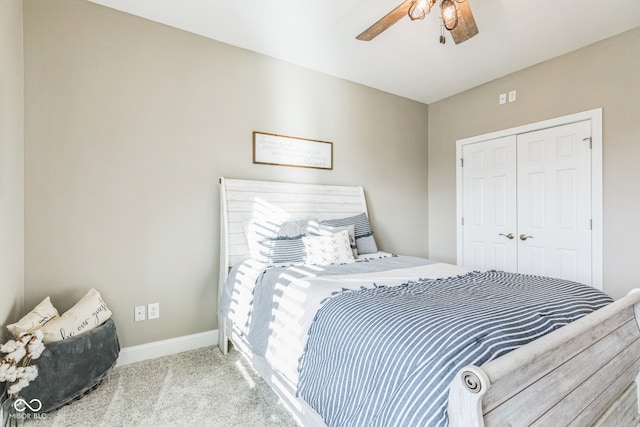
(455, 16)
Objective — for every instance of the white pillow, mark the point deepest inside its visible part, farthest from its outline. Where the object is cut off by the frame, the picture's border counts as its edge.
(325, 250)
(35, 319)
(317, 229)
(88, 313)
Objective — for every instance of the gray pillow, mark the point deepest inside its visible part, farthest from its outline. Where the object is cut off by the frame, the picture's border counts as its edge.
(365, 242)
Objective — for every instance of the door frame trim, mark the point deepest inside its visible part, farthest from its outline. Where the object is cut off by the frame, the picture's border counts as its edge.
(595, 116)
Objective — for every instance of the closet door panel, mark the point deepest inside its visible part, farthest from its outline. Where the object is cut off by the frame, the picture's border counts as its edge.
(554, 202)
(489, 203)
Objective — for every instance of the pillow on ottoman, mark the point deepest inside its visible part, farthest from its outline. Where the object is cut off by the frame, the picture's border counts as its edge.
(88, 313)
(33, 320)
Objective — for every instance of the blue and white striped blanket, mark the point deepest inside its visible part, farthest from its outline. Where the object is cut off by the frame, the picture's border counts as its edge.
(386, 356)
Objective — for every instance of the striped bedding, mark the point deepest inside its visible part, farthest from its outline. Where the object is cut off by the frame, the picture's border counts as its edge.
(385, 356)
(272, 307)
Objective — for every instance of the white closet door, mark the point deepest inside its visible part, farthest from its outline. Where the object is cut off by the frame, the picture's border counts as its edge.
(489, 205)
(554, 202)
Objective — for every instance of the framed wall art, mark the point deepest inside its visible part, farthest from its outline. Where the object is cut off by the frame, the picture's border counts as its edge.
(281, 150)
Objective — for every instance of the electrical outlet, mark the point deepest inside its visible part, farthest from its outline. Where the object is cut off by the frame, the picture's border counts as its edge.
(154, 310)
(512, 96)
(502, 99)
(139, 313)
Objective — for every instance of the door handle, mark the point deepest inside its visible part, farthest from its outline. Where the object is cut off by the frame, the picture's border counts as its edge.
(508, 236)
(525, 237)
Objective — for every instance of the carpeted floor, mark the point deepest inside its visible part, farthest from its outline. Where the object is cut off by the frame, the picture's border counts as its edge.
(196, 388)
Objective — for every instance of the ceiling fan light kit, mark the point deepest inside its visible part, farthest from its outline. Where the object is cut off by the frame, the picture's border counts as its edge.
(419, 9)
(449, 14)
(455, 16)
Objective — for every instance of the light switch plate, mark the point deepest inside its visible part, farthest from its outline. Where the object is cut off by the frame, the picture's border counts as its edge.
(139, 313)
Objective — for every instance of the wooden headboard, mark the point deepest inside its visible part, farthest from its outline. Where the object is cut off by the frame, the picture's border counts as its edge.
(243, 200)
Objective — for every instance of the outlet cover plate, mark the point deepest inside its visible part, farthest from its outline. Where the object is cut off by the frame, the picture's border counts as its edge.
(153, 310)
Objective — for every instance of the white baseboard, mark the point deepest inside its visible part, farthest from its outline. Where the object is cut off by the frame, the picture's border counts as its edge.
(155, 349)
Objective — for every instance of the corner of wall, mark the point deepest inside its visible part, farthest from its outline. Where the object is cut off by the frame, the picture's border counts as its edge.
(11, 162)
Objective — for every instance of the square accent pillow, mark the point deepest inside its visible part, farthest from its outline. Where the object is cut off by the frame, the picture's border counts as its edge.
(326, 250)
(35, 319)
(364, 234)
(317, 229)
(88, 313)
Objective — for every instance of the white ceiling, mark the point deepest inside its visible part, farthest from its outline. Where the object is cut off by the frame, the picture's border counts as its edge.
(407, 59)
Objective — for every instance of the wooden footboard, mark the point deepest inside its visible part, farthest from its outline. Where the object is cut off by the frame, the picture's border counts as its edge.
(582, 374)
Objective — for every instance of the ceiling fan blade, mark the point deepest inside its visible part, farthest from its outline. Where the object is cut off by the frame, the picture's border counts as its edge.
(385, 22)
(466, 27)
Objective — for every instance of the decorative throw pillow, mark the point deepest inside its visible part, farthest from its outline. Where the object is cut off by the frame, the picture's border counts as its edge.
(280, 250)
(364, 234)
(35, 319)
(274, 242)
(88, 313)
(317, 229)
(325, 250)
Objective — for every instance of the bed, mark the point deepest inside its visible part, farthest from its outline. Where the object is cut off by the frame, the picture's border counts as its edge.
(313, 330)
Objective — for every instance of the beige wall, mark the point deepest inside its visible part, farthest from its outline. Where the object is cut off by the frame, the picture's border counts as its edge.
(607, 75)
(129, 124)
(11, 163)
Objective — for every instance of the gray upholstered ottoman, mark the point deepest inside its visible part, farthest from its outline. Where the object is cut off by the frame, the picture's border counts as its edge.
(68, 368)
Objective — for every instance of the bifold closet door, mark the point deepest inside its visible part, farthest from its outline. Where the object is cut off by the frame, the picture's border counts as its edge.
(554, 202)
(526, 203)
(489, 205)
